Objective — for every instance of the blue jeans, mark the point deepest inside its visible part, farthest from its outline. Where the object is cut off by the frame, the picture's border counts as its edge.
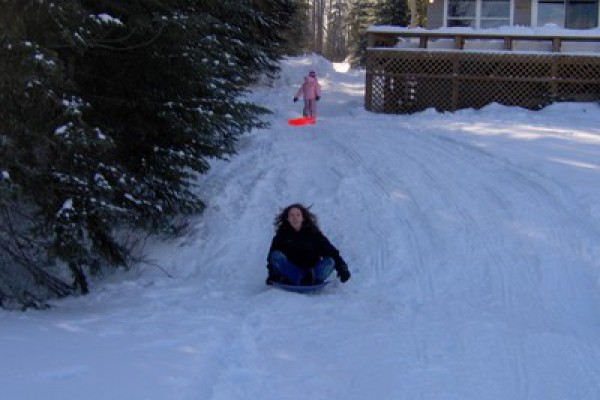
(285, 268)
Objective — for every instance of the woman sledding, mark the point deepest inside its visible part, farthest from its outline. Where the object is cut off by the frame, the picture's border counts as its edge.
(300, 254)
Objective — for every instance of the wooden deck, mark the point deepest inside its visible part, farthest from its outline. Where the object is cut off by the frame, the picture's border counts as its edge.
(409, 71)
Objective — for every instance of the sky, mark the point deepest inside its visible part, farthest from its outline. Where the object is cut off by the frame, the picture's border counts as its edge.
(473, 239)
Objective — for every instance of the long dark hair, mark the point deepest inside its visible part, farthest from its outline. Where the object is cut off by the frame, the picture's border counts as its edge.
(309, 222)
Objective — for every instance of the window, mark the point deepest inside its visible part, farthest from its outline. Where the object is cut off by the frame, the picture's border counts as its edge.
(478, 13)
(572, 14)
(461, 13)
(551, 12)
(495, 13)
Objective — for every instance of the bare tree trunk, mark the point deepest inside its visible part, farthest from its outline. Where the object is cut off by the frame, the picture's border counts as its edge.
(313, 24)
(319, 25)
(415, 17)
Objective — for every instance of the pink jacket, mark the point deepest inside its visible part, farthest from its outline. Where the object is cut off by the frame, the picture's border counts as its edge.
(310, 89)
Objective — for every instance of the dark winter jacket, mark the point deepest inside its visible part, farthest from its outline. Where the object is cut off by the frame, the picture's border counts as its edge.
(306, 247)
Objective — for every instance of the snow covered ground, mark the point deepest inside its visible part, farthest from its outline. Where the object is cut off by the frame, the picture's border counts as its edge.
(473, 239)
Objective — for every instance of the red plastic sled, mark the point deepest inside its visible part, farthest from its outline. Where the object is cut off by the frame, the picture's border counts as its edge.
(301, 121)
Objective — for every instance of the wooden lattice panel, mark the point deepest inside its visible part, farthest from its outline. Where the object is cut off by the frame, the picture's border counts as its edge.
(403, 81)
(568, 68)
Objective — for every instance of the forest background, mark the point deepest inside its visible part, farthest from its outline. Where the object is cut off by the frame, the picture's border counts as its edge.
(110, 110)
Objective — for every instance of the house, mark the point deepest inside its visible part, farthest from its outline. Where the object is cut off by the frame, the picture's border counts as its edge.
(570, 14)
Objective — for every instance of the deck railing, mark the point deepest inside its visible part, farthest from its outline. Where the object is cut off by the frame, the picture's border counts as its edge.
(412, 70)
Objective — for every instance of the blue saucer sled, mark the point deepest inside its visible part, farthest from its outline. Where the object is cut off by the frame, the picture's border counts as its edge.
(300, 289)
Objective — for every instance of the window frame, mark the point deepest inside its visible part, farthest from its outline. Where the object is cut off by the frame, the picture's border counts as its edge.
(478, 18)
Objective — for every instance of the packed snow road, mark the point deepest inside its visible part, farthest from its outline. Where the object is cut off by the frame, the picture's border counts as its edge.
(473, 239)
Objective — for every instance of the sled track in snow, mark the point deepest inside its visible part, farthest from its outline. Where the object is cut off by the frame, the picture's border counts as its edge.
(381, 185)
(483, 182)
(508, 187)
(483, 196)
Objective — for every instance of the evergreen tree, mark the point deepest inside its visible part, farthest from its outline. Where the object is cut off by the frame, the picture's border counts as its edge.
(297, 35)
(376, 12)
(336, 31)
(362, 15)
(393, 12)
(420, 13)
(54, 159)
(109, 111)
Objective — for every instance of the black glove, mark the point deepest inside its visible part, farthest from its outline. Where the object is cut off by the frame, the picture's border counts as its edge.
(318, 98)
(343, 274)
(295, 99)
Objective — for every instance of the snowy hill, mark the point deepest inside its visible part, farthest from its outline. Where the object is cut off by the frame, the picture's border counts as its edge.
(473, 239)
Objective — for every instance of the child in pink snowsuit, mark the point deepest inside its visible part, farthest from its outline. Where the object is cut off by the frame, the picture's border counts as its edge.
(311, 92)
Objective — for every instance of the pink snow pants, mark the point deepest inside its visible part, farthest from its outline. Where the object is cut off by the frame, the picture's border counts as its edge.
(310, 108)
